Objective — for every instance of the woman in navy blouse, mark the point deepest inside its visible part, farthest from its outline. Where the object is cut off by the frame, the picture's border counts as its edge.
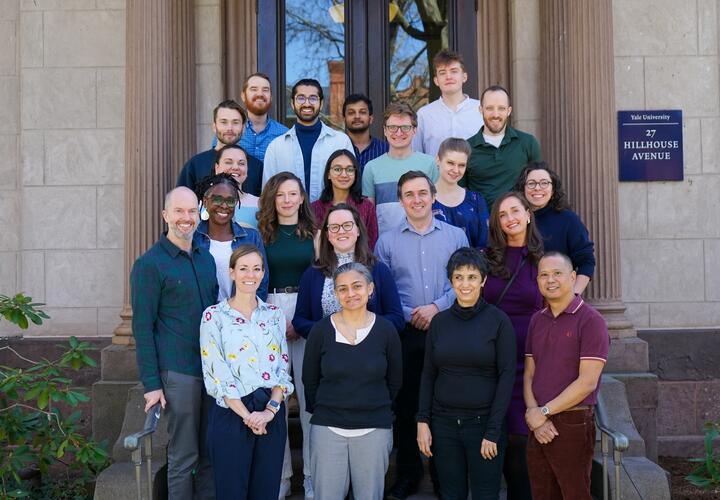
(562, 229)
(454, 204)
(343, 239)
(513, 252)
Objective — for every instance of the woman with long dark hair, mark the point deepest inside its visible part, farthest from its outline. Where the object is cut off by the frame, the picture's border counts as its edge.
(561, 229)
(287, 227)
(343, 239)
(513, 252)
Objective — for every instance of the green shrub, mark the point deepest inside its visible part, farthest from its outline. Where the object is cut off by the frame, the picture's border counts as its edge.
(35, 435)
(707, 473)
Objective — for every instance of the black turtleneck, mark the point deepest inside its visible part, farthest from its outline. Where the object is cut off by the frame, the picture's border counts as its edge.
(469, 366)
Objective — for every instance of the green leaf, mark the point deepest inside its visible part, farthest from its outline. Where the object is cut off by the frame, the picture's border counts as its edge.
(73, 342)
(42, 400)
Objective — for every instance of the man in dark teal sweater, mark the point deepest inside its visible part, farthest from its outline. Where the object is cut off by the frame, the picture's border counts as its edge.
(499, 152)
(170, 286)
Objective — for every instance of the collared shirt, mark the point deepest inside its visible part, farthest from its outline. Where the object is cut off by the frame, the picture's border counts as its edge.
(201, 165)
(492, 171)
(284, 155)
(256, 143)
(240, 355)
(417, 262)
(375, 148)
(437, 122)
(169, 289)
(241, 236)
(558, 344)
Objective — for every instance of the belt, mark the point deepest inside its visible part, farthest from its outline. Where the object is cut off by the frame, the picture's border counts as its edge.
(580, 407)
(284, 289)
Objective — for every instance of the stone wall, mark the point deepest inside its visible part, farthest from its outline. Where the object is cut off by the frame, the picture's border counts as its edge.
(666, 57)
(62, 82)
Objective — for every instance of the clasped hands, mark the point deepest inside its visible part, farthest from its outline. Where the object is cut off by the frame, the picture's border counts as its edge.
(541, 426)
(258, 420)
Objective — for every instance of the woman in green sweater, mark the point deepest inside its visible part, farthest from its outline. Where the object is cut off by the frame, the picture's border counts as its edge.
(287, 227)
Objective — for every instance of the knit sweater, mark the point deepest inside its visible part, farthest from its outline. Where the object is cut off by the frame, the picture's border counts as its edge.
(563, 231)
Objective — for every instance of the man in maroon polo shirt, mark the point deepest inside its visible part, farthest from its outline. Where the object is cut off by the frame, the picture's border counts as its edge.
(565, 352)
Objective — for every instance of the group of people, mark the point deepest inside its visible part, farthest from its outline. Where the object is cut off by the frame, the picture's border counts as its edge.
(422, 292)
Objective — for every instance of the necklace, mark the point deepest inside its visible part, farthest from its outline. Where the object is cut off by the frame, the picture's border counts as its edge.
(345, 328)
(288, 234)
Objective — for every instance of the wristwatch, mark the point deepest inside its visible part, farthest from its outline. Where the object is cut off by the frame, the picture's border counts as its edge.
(273, 406)
(545, 411)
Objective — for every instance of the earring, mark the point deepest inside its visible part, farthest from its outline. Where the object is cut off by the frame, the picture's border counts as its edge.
(528, 221)
(204, 215)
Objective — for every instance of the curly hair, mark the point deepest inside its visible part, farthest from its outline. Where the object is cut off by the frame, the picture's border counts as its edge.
(558, 200)
(207, 183)
(327, 259)
(497, 241)
(267, 214)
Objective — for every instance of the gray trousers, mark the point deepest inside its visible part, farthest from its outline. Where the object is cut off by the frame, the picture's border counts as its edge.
(337, 461)
(186, 412)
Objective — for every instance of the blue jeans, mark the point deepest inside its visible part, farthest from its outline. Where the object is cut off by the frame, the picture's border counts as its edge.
(456, 449)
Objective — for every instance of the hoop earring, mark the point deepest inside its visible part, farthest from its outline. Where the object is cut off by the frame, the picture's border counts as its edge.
(204, 215)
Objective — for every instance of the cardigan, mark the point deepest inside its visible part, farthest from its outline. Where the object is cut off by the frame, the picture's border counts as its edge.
(384, 301)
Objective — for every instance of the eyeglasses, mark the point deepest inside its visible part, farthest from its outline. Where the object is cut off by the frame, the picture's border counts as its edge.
(339, 170)
(218, 200)
(312, 99)
(346, 226)
(394, 128)
(543, 184)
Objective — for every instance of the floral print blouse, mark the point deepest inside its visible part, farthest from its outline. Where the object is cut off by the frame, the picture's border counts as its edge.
(240, 355)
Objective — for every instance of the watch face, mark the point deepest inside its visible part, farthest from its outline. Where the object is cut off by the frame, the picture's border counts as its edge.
(545, 410)
(274, 403)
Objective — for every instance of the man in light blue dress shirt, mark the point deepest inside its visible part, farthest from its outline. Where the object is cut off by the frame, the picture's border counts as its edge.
(260, 129)
(416, 252)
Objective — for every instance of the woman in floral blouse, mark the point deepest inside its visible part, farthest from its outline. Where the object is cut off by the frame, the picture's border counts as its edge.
(245, 368)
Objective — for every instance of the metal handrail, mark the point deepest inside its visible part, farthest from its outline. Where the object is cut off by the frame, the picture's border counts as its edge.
(143, 439)
(619, 442)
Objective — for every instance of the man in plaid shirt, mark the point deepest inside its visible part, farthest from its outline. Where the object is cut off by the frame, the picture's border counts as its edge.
(170, 286)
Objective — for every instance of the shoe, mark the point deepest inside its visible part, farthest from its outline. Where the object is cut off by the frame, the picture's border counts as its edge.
(402, 489)
(308, 487)
(284, 489)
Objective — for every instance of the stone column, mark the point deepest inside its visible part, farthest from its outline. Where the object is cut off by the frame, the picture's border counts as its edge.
(160, 121)
(493, 44)
(579, 139)
(240, 27)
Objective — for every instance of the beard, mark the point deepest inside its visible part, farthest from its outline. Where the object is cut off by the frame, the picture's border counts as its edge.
(359, 128)
(306, 119)
(258, 106)
(227, 139)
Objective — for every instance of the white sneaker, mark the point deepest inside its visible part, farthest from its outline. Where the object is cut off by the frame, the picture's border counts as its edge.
(308, 487)
(284, 489)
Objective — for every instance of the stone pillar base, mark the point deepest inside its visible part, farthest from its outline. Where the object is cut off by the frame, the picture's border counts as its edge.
(614, 313)
(627, 355)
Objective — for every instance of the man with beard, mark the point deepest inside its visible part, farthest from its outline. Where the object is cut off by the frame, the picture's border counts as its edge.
(170, 286)
(305, 148)
(260, 129)
(228, 122)
(358, 114)
(499, 152)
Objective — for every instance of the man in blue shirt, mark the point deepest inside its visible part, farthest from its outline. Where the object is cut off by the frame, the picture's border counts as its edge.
(260, 129)
(358, 114)
(305, 148)
(170, 286)
(416, 252)
(228, 123)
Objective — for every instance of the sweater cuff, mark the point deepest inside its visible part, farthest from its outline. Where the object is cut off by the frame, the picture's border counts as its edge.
(425, 419)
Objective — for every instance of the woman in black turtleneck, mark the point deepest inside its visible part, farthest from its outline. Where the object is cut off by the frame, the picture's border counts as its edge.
(466, 385)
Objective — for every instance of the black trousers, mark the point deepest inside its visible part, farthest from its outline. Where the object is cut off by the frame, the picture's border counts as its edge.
(515, 468)
(409, 461)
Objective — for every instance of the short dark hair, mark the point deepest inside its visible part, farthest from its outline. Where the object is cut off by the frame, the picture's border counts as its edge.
(355, 98)
(326, 196)
(307, 81)
(564, 257)
(230, 104)
(494, 88)
(467, 257)
(454, 144)
(220, 152)
(400, 108)
(258, 74)
(558, 200)
(445, 57)
(414, 174)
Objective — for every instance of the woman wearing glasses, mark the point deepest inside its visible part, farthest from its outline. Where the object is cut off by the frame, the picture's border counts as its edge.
(220, 234)
(343, 239)
(561, 229)
(343, 185)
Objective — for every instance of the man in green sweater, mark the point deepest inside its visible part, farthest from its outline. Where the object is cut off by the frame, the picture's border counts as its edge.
(499, 152)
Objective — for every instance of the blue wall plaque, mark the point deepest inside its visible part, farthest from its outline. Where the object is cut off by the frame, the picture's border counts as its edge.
(650, 145)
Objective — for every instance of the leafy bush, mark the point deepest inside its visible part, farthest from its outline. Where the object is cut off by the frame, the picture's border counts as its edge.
(35, 436)
(707, 473)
